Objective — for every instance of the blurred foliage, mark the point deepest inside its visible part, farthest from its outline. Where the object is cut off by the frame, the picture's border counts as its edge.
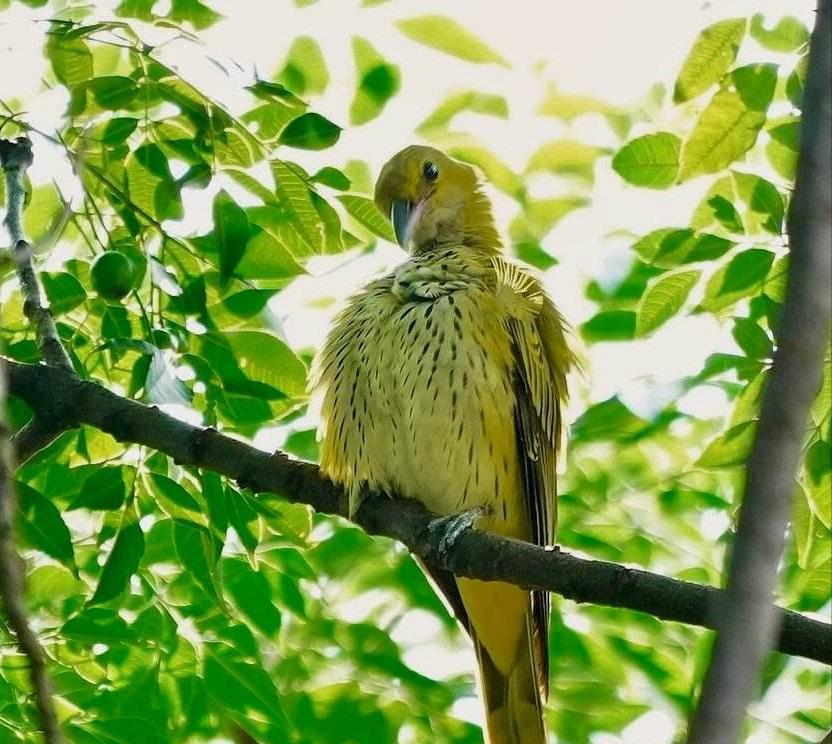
(177, 608)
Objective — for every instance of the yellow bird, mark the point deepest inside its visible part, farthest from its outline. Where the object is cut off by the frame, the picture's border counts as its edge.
(443, 382)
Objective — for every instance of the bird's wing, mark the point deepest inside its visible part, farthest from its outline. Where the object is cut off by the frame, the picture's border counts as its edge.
(541, 362)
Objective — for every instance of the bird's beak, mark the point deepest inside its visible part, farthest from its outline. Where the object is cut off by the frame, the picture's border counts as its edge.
(404, 215)
(400, 217)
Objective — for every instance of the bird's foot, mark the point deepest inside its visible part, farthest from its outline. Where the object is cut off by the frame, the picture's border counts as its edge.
(445, 531)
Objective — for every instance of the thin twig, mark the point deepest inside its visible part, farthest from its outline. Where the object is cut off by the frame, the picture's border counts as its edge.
(52, 392)
(748, 621)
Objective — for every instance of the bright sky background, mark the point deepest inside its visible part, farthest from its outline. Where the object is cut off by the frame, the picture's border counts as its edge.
(611, 49)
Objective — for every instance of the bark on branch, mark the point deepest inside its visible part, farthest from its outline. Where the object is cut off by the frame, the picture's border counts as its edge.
(747, 620)
(15, 158)
(71, 401)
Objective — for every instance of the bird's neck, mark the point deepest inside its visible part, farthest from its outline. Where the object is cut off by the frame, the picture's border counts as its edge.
(472, 226)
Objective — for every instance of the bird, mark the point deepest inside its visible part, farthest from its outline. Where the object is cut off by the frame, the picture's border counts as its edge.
(444, 382)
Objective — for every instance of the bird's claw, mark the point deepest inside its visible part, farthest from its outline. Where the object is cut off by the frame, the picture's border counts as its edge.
(445, 531)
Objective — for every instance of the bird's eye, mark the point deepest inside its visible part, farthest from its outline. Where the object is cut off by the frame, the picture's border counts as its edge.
(430, 170)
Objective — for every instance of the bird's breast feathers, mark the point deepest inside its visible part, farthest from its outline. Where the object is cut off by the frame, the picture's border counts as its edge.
(418, 382)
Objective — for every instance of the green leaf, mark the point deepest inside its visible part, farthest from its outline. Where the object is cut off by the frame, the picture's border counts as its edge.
(41, 526)
(755, 84)
(197, 554)
(333, 178)
(765, 204)
(726, 214)
(566, 157)
(378, 82)
(310, 132)
(752, 339)
(533, 253)
(304, 71)
(711, 55)
(63, 291)
(231, 230)
(668, 247)
(118, 130)
(113, 91)
(265, 358)
(242, 517)
(796, 81)
(365, 212)
(98, 625)
(447, 35)
(742, 276)
(71, 59)
(104, 489)
(175, 500)
(119, 730)
(818, 480)
(802, 526)
(704, 215)
(123, 560)
(303, 444)
(541, 216)
(266, 257)
(610, 325)
(729, 125)
(788, 35)
(496, 171)
(729, 448)
(293, 195)
(199, 15)
(569, 107)
(252, 594)
(610, 419)
(663, 299)
(244, 689)
(651, 161)
(782, 147)
(469, 100)
(747, 269)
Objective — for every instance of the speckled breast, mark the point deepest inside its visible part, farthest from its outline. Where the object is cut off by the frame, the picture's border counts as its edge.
(419, 398)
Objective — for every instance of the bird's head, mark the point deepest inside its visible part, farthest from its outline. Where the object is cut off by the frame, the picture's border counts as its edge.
(434, 201)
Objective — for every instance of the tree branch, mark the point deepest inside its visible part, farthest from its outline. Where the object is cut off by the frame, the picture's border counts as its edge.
(15, 158)
(12, 584)
(51, 392)
(747, 620)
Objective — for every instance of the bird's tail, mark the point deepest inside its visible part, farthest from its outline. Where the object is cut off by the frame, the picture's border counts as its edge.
(513, 708)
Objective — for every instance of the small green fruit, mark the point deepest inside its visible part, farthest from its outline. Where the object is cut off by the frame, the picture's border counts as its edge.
(112, 274)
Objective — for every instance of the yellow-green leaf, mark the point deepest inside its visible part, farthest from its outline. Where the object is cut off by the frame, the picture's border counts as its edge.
(788, 35)
(497, 172)
(730, 448)
(469, 100)
(378, 82)
(447, 35)
(729, 125)
(709, 58)
(365, 212)
(651, 161)
(292, 193)
(663, 299)
(304, 71)
(566, 157)
(310, 132)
